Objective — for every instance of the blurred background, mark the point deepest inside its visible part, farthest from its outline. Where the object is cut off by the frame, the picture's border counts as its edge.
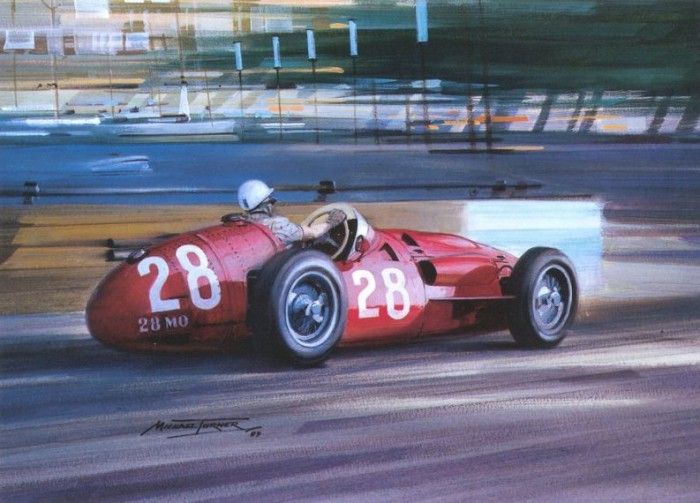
(348, 69)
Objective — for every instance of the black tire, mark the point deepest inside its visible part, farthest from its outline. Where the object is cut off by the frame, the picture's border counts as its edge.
(299, 307)
(546, 298)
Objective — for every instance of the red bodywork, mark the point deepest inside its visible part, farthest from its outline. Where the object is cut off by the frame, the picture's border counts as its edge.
(406, 284)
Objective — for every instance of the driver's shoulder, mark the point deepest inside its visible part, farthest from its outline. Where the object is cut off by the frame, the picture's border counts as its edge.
(280, 220)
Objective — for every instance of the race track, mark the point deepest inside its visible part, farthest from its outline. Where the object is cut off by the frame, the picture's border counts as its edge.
(611, 414)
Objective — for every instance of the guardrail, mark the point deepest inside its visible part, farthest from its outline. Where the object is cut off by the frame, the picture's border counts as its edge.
(499, 188)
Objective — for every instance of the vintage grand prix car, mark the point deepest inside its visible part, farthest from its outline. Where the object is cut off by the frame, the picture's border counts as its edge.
(215, 287)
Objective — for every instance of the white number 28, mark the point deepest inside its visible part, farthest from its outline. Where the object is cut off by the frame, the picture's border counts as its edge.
(395, 283)
(195, 271)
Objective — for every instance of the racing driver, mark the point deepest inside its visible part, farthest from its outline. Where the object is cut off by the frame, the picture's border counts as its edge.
(255, 197)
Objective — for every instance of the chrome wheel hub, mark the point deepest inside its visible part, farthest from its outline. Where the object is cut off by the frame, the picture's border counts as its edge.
(309, 309)
(551, 302)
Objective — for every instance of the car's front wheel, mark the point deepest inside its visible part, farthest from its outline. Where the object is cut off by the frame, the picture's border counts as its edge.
(299, 308)
(546, 297)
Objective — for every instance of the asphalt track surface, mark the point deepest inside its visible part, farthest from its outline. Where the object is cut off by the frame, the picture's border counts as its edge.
(612, 414)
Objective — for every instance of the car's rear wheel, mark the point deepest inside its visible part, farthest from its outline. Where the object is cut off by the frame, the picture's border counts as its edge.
(546, 298)
(299, 307)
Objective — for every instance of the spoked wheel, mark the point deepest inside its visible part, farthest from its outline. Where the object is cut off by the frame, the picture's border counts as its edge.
(299, 307)
(546, 297)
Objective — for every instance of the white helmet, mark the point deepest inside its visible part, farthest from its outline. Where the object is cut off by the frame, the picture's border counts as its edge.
(252, 193)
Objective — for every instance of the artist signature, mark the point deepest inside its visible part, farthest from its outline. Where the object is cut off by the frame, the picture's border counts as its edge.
(178, 428)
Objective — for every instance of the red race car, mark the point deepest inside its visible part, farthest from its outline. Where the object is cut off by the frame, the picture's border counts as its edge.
(212, 288)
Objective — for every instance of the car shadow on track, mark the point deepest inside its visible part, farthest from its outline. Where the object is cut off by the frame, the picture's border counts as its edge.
(71, 355)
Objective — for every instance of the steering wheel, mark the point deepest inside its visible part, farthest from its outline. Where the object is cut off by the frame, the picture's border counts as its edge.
(336, 239)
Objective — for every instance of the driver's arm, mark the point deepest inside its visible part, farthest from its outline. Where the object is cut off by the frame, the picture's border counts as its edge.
(311, 232)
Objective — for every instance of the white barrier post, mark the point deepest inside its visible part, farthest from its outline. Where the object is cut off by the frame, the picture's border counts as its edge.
(311, 50)
(352, 30)
(238, 60)
(277, 63)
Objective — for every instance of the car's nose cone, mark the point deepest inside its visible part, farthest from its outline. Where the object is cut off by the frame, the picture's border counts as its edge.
(118, 312)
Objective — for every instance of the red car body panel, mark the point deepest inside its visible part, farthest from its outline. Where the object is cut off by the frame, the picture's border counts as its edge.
(407, 284)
